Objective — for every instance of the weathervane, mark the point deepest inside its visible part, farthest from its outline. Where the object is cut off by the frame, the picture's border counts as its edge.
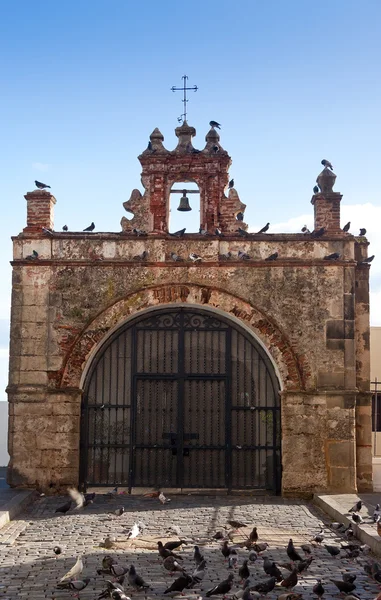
(184, 89)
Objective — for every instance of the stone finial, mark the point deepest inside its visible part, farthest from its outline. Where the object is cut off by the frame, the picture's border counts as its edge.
(213, 145)
(156, 142)
(185, 133)
(326, 180)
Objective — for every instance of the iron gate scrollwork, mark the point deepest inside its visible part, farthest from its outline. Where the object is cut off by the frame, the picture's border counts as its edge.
(181, 398)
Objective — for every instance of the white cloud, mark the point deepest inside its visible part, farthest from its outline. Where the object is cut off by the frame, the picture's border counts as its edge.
(40, 166)
(366, 215)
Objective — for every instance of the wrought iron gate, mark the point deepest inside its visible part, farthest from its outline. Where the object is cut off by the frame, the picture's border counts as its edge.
(181, 398)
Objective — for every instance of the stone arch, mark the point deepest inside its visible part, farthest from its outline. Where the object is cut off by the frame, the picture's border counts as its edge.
(292, 371)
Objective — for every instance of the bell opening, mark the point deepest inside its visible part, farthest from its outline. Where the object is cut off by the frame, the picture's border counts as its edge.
(184, 207)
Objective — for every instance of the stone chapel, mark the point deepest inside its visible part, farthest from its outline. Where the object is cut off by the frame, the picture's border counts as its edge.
(221, 360)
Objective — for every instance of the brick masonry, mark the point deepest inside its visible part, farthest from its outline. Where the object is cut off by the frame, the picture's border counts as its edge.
(311, 315)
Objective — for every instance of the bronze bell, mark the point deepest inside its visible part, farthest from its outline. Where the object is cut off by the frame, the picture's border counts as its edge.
(184, 203)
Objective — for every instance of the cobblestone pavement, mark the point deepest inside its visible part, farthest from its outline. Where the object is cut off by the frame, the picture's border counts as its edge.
(30, 569)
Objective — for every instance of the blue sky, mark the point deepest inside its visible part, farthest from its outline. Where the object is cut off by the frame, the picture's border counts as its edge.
(84, 84)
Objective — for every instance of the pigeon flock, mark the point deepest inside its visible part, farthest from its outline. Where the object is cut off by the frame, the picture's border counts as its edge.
(249, 567)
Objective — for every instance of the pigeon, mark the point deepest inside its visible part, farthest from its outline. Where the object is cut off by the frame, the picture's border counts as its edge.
(57, 550)
(135, 530)
(377, 513)
(244, 571)
(356, 518)
(233, 559)
(344, 586)
(171, 564)
(261, 547)
(203, 231)
(365, 549)
(219, 535)
(215, 125)
(119, 511)
(239, 216)
(119, 595)
(135, 580)
(272, 256)
(326, 163)
(176, 258)
(236, 524)
(333, 256)
(40, 185)
(351, 577)
(195, 257)
(90, 227)
(108, 543)
(356, 507)
(291, 580)
(64, 508)
(65, 228)
(163, 499)
(362, 231)
(76, 585)
(107, 562)
(225, 550)
(318, 589)
(304, 564)
(179, 233)
(179, 584)
(319, 537)
(164, 552)
(291, 552)
(32, 256)
(174, 545)
(113, 492)
(347, 227)
(198, 574)
(253, 537)
(141, 256)
(47, 230)
(112, 586)
(231, 184)
(218, 232)
(333, 550)
(221, 588)
(75, 571)
(253, 556)
(306, 548)
(265, 587)
(368, 260)
(77, 497)
(271, 569)
(243, 232)
(139, 232)
(316, 189)
(264, 229)
(226, 256)
(246, 593)
(197, 556)
(305, 229)
(318, 232)
(243, 255)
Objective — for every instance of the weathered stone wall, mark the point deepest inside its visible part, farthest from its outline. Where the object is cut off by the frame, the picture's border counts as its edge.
(307, 312)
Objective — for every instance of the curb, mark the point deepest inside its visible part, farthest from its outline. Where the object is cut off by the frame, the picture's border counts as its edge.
(11, 508)
(364, 532)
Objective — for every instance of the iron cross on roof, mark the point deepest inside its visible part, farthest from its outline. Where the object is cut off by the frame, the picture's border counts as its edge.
(184, 89)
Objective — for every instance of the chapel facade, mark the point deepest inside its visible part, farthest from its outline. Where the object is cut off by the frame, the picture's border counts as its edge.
(214, 360)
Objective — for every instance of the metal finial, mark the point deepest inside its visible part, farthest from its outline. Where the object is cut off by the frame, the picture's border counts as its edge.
(184, 89)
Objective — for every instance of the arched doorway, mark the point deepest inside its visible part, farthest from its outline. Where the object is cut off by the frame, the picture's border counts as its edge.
(181, 398)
